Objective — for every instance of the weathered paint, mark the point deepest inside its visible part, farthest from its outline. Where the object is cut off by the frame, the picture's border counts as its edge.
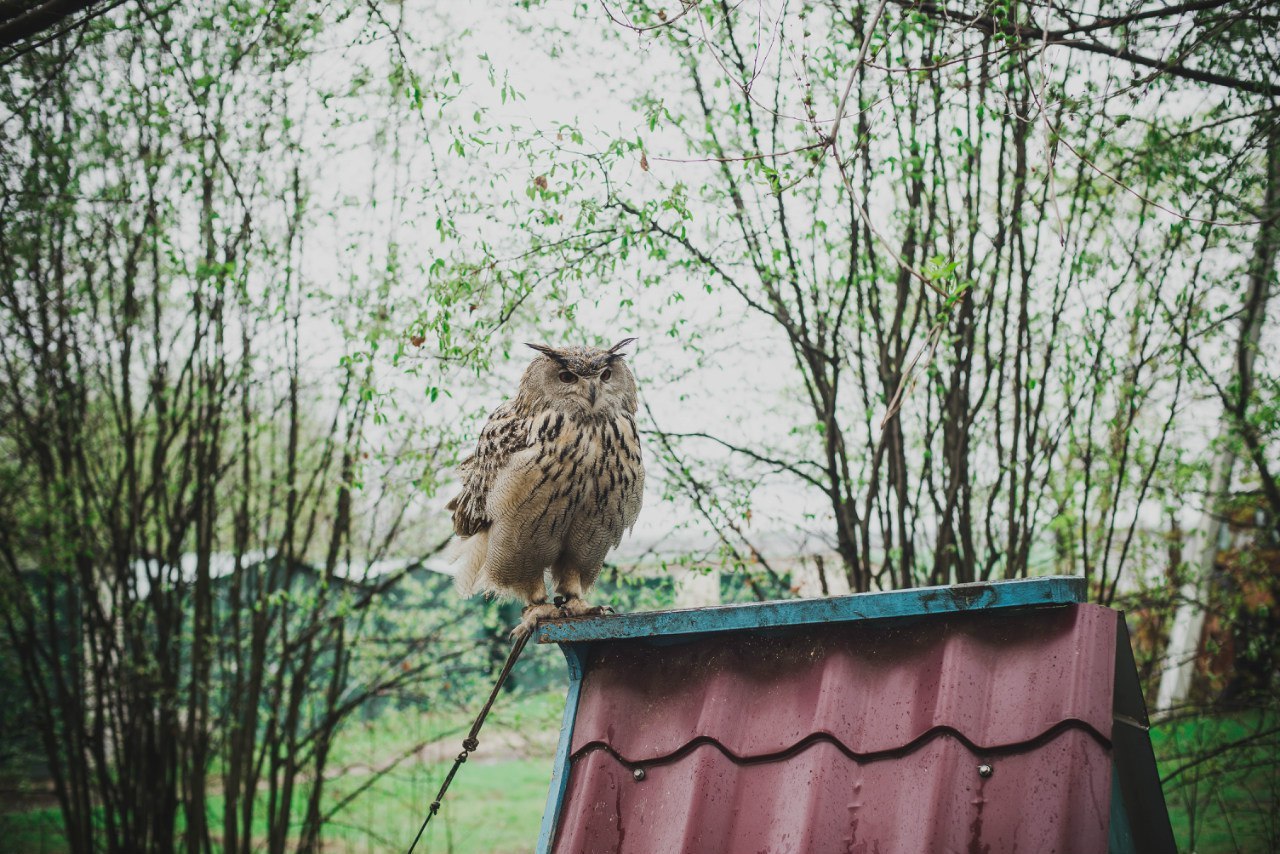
(717, 727)
(931, 800)
(1056, 590)
(1120, 835)
(831, 736)
(575, 636)
(560, 772)
(997, 679)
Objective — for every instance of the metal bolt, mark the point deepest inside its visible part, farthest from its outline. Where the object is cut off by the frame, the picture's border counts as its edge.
(985, 770)
(638, 774)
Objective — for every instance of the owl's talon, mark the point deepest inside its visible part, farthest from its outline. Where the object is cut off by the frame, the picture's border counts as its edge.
(532, 614)
(574, 606)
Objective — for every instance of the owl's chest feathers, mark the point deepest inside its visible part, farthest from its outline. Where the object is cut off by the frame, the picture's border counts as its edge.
(588, 452)
(584, 468)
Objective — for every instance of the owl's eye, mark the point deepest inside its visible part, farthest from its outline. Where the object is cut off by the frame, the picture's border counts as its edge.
(607, 373)
(568, 377)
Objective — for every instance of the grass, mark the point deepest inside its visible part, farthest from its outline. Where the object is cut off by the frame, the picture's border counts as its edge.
(494, 805)
(34, 831)
(396, 730)
(489, 809)
(1221, 782)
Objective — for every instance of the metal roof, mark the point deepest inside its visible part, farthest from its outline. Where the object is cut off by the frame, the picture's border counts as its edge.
(988, 718)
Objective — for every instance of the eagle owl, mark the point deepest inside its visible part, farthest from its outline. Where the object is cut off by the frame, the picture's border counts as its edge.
(555, 481)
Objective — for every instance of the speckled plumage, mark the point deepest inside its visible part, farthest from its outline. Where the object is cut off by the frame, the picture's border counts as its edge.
(555, 481)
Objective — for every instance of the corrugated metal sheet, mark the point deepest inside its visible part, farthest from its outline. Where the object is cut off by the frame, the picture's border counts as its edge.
(931, 799)
(850, 737)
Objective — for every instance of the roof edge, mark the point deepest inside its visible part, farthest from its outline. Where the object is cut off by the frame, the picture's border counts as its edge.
(919, 601)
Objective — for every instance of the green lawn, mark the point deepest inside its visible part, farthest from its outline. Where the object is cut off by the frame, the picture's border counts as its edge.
(1221, 800)
(489, 808)
(494, 805)
(37, 831)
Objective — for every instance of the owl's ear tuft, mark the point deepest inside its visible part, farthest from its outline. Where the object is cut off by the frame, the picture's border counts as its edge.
(616, 347)
(549, 352)
(544, 350)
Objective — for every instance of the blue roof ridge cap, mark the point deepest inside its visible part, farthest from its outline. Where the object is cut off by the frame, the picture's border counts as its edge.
(911, 602)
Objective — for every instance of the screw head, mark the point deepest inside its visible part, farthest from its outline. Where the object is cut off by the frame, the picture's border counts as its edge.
(985, 770)
(638, 774)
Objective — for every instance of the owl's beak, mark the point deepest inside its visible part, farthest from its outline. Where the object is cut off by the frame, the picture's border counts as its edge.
(592, 389)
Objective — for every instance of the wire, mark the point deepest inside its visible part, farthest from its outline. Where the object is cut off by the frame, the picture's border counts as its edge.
(472, 742)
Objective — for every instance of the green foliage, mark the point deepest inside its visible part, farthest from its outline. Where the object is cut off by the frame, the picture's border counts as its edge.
(264, 269)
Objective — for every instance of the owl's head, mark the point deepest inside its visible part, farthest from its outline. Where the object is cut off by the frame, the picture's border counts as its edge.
(585, 380)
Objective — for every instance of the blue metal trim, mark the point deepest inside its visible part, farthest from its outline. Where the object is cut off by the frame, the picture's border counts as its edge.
(1120, 834)
(1053, 590)
(560, 772)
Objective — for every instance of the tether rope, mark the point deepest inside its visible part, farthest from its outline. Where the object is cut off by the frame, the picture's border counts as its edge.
(471, 743)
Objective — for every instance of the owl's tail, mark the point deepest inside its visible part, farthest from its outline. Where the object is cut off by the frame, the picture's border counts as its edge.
(470, 554)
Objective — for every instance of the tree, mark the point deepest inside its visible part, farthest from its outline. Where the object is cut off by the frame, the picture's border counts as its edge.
(201, 511)
(988, 279)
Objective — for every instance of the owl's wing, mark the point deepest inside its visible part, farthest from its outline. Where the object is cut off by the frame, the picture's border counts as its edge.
(505, 433)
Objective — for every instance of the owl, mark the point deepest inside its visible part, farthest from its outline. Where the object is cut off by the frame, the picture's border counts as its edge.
(555, 481)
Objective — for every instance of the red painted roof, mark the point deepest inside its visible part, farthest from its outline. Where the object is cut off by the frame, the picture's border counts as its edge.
(851, 737)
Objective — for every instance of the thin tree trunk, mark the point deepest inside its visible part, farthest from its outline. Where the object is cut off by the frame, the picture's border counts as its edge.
(1178, 666)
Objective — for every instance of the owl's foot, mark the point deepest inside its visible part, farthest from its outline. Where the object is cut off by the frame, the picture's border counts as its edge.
(532, 613)
(574, 606)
